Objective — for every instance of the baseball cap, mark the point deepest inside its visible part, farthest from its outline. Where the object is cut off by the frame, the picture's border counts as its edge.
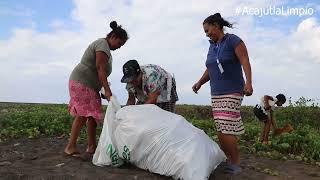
(131, 70)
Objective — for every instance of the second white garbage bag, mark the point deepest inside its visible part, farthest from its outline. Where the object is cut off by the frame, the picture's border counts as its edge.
(163, 142)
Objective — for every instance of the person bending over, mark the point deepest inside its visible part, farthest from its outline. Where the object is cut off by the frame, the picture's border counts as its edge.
(149, 84)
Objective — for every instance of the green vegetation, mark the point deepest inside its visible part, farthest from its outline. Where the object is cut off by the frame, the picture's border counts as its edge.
(33, 120)
(302, 144)
(37, 120)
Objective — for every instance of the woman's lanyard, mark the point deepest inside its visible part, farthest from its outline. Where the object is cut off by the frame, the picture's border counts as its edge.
(217, 59)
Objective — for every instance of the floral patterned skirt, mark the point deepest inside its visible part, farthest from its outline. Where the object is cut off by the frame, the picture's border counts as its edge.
(84, 101)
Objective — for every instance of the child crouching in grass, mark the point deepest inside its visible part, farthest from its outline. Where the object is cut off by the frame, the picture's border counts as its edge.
(264, 112)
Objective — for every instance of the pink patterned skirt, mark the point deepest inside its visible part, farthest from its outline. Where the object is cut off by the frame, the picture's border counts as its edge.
(84, 101)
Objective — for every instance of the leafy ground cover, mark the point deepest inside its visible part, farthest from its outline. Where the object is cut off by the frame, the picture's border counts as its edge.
(33, 121)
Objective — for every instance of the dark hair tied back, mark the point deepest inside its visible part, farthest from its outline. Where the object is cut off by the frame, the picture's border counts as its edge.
(216, 18)
(218, 15)
(117, 31)
(113, 25)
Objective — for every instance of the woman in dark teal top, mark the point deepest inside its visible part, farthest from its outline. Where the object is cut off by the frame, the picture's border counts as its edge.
(226, 58)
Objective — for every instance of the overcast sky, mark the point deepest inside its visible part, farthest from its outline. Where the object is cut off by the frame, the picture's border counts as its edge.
(41, 41)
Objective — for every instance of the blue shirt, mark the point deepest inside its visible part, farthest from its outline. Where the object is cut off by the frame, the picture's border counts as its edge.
(231, 80)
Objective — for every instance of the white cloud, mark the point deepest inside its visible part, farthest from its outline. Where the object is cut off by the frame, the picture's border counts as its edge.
(307, 39)
(168, 33)
(288, 63)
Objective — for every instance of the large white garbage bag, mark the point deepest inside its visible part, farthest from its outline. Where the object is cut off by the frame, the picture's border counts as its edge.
(106, 153)
(162, 142)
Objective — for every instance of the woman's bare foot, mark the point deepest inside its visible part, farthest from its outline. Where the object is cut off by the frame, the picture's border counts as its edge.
(70, 150)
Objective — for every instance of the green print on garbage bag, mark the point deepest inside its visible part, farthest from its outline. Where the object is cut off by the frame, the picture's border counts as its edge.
(114, 156)
(126, 153)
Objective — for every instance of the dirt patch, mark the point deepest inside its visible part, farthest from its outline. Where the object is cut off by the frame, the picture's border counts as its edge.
(43, 159)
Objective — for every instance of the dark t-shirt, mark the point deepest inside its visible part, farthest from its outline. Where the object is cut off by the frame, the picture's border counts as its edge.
(231, 80)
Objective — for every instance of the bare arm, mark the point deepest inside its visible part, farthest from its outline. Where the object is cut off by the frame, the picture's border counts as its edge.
(266, 99)
(131, 99)
(204, 79)
(101, 61)
(152, 97)
(242, 54)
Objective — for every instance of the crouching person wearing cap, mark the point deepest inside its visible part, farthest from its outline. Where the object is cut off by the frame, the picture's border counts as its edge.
(149, 84)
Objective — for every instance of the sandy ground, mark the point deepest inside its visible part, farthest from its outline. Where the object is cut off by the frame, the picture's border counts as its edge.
(42, 159)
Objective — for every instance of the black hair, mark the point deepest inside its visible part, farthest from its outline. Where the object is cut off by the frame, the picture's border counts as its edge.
(216, 18)
(117, 31)
(281, 97)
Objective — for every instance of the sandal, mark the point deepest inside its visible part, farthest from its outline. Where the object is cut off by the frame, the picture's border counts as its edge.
(233, 169)
(75, 154)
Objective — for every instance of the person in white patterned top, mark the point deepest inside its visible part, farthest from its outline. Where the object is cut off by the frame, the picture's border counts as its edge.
(149, 84)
